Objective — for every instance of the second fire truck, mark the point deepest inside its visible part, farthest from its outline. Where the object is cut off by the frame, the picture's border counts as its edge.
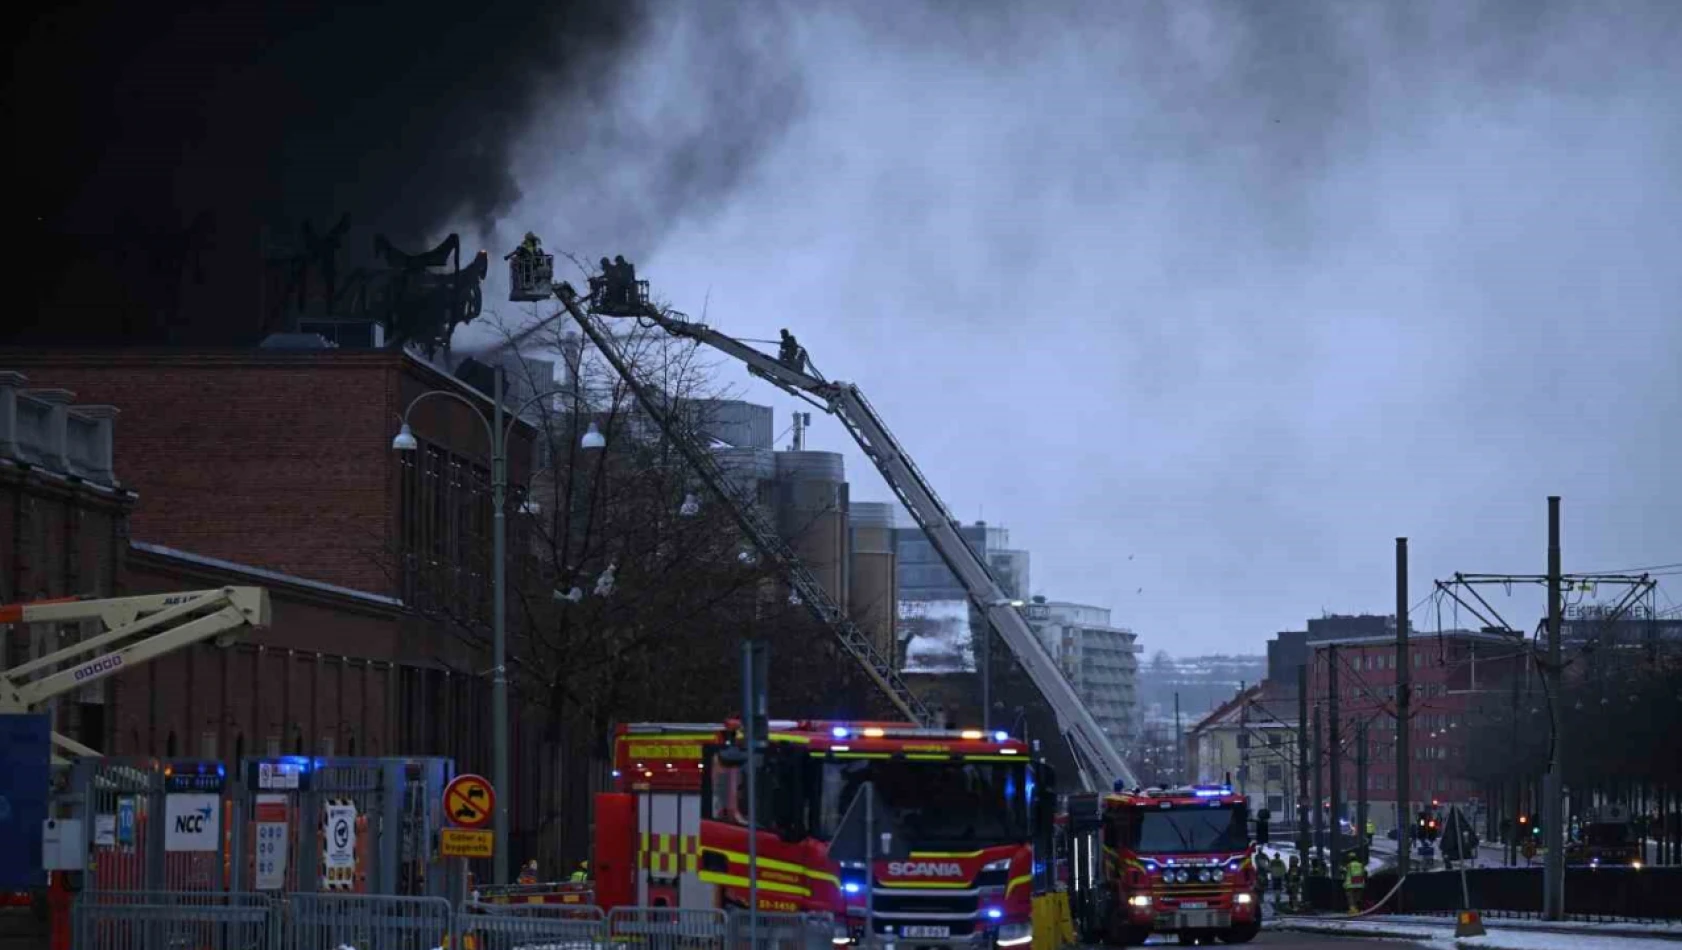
(970, 805)
(1152, 861)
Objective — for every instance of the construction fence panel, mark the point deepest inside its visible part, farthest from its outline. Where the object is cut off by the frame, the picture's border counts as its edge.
(361, 922)
(483, 926)
(779, 931)
(663, 928)
(154, 824)
(342, 825)
(172, 920)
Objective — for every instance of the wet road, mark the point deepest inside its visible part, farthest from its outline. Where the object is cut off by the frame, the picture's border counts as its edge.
(1287, 940)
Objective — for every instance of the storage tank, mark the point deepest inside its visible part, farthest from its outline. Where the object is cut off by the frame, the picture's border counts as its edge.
(811, 508)
(874, 590)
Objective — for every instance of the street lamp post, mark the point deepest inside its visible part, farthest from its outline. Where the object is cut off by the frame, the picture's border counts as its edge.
(498, 433)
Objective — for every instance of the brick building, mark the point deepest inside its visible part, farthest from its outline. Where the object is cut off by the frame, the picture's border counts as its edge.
(63, 522)
(272, 468)
(1452, 675)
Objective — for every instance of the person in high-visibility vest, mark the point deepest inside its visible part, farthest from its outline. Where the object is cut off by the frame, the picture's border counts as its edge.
(582, 875)
(1354, 882)
(1276, 873)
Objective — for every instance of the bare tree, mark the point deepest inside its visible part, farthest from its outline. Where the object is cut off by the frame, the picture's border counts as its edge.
(630, 586)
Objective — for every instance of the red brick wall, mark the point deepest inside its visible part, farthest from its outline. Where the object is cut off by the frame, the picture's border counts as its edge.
(275, 459)
(322, 670)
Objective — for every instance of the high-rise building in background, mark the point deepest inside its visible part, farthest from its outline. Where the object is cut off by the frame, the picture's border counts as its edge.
(1099, 659)
(923, 576)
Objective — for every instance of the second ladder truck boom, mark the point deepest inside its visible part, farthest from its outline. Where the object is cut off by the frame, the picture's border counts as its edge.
(1101, 765)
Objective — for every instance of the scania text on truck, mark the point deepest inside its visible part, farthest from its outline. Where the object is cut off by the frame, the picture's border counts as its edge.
(969, 805)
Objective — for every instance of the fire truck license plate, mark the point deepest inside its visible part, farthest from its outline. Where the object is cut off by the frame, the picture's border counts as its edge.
(925, 931)
(1197, 919)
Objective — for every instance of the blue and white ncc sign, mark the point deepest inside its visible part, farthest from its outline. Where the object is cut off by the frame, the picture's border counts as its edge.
(192, 822)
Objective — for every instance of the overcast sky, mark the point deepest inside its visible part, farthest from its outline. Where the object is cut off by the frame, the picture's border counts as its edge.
(1205, 302)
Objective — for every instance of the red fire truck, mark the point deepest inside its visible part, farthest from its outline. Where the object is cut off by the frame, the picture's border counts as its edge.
(970, 805)
(1156, 860)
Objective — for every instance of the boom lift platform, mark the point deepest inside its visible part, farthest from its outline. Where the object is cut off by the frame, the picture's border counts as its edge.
(135, 630)
(1095, 755)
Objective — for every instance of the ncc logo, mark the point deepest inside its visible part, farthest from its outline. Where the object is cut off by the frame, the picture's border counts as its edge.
(192, 823)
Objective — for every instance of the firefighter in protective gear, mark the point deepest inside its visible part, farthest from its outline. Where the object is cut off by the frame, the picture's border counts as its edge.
(1293, 883)
(1354, 882)
(1277, 873)
(581, 875)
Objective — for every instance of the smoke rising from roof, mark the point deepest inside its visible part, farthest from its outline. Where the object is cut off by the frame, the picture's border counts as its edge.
(242, 117)
(1245, 289)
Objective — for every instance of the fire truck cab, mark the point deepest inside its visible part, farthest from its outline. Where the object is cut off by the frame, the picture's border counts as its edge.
(1608, 839)
(1156, 860)
(971, 806)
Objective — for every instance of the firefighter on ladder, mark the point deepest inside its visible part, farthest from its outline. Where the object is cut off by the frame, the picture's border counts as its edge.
(1354, 881)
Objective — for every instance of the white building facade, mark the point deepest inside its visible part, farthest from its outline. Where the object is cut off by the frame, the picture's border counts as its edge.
(1099, 659)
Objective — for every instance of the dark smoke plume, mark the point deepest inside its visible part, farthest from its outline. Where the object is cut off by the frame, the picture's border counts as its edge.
(148, 142)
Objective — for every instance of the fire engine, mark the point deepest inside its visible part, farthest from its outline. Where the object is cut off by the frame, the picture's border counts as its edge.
(1608, 840)
(1177, 860)
(970, 805)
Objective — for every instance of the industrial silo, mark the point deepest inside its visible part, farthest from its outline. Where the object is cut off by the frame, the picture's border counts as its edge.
(874, 590)
(810, 501)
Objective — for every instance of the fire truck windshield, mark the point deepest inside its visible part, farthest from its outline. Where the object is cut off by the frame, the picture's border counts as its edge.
(1190, 830)
(1606, 835)
(937, 804)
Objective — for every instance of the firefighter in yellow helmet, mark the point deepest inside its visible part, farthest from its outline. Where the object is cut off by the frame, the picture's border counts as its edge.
(1354, 881)
(581, 875)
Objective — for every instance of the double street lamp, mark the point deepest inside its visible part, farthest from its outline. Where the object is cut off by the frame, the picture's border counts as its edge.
(498, 431)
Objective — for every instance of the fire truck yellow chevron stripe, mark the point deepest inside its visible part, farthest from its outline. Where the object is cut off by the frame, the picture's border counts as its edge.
(736, 880)
(1016, 882)
(772, 864)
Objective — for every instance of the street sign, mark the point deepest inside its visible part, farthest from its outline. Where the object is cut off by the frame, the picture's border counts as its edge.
(125, 821)
(341, 837)
(466, 843)
(272, 842)
(469, 801)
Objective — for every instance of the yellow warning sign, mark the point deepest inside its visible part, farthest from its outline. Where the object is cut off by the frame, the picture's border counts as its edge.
(466, 843)
(469, 801)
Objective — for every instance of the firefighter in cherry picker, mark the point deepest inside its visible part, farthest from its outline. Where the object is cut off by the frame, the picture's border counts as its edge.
(1354, 880)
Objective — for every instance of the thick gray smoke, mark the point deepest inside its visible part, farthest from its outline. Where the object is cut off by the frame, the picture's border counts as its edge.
(1206, 301)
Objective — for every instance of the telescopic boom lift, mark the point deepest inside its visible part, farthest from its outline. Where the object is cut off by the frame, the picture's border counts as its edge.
(1096, 756)
(135, 630)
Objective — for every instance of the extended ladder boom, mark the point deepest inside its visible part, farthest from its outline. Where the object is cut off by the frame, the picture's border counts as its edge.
(1095, 754)
(136, 629)
(764, 536)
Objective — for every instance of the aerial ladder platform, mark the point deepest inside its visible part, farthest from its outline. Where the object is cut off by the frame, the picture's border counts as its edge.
(134, 630)
(1100, 764)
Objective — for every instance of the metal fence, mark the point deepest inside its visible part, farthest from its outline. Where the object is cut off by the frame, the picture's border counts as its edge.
(531, 927)
(662, 928)
(346, 825)
(187, 920)
(173, 920)
(126, 808)
(779, 931)
(359, 922)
